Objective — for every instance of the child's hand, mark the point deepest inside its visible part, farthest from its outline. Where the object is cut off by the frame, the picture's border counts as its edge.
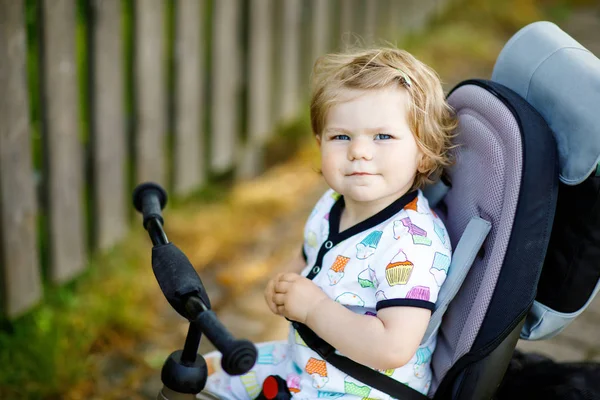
(270, 292)
(295, 296)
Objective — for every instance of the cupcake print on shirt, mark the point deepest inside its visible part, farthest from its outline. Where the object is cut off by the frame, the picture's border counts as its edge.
(439, 269)
(366, 248)
(336, 271)
(318, 370)
(419, 293)
(405, 227)
(399, 269)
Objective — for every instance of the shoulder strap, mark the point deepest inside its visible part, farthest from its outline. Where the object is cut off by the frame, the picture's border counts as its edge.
(463, 256)
(358, 371)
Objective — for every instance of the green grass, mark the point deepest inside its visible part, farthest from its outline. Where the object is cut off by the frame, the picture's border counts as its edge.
(46, 351)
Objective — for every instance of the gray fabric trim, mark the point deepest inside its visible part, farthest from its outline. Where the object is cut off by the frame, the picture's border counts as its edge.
(561, 79)
(543, 322)
(435, 192)
(462, 258)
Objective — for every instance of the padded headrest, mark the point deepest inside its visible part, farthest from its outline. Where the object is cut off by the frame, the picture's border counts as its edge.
(561, 80)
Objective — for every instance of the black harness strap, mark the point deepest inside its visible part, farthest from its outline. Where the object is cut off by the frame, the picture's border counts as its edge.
(358, 371)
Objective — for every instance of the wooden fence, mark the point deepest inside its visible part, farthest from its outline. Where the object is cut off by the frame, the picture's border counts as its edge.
(99, 95)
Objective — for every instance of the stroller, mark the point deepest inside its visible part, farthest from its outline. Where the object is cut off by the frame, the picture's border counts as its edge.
(522, 209)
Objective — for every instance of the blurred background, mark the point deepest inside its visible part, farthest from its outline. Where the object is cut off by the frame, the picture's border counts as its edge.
(209, 98)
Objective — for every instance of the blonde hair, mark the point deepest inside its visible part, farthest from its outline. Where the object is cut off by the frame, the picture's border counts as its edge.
(430, 118)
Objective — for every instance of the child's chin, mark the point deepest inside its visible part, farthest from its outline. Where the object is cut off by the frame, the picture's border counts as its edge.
(361, 196)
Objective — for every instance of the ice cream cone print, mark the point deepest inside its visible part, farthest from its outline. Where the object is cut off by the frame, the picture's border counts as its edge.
(251, 384)
(366, 248)
(418, 293)
(336, 271)
(439, 269)
(318, 370)
(399, 269)
(355, 387)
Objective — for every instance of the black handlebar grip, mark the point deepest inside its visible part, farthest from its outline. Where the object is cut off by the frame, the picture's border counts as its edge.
(150, 198)
(239, 356)
(177, 277)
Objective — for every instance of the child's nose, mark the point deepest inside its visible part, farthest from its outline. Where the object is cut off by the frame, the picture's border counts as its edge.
(359, 149)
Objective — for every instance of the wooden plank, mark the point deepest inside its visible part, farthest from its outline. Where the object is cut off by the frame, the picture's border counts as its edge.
(395, 10)
(321, 36)
(347, 28)
(226, 58)
(20, 282)
(189, 55)
(150, 92)
(108, 129)
(259, 86)
(290, 61)
(63, 147)
(370, 22)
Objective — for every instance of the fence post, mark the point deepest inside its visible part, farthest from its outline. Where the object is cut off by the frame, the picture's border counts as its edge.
(321, 32)
(188, 146)
(259, 86)
(290, 61)
(347, 28)
(370, 22)
(108, 129)
(63, 150)
(226, 66)
(150, 91)
(20, 282)
(395, 9)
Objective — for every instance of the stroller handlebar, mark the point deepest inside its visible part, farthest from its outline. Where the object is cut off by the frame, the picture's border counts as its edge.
(183, 289)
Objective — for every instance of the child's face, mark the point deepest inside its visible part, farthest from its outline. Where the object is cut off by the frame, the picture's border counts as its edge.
(368, 152)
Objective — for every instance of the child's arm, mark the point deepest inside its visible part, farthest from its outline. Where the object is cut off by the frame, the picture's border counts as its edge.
(384, 342)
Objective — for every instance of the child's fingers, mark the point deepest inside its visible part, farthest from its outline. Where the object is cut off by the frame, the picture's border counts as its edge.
(282, 287)
(288, 277)
(269, 297)
(279, 299)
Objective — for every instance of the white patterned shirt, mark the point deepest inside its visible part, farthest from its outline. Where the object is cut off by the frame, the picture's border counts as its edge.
(398, 257)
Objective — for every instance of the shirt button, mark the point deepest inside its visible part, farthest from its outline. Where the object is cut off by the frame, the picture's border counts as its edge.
(316, 269)
(328, 244)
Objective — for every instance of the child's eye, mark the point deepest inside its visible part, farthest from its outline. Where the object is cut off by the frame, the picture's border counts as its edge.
(340, 137)
(383, 136)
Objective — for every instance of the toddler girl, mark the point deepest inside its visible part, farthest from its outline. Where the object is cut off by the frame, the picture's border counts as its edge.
(374, 255)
